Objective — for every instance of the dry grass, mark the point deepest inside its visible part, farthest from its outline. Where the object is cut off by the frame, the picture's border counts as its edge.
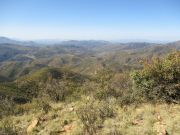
(146, 119)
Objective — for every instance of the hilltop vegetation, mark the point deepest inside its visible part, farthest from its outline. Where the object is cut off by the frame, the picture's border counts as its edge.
(90, 87)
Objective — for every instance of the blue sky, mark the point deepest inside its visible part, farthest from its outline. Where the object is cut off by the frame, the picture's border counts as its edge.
(91, 19)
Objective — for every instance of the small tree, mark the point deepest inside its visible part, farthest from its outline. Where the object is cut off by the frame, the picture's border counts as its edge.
(56, 90)
(160, 78)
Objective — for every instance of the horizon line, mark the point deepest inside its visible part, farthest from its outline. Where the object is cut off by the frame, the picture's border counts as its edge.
(90, 39)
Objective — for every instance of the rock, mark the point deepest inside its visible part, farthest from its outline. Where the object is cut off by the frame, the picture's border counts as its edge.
(68, 128)
(159, 126)
(32, 125)
(160, 129)
(164, 132)
(159, 118)
(71, 109)
(137, 122)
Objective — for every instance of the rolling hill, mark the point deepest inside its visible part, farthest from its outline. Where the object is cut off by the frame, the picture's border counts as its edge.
(81, 56)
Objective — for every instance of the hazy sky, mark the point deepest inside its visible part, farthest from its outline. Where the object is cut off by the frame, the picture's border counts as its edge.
(90, 19)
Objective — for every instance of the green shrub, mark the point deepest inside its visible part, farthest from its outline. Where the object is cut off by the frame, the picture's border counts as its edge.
(34, 105)
(7, 128)
(6, 107)
(60, 90)
(104, 77)
(21, 109)
(56, 90)
(29, 88)
(104, 89)
(160, 78)
(43, 104)
(119, 86)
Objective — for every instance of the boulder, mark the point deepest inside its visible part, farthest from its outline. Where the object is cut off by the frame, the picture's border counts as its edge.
(32, 125)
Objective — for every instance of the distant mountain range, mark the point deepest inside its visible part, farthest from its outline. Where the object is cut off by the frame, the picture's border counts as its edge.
(6, 40)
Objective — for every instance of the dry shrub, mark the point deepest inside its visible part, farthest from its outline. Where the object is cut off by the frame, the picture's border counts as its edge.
(92, 115)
